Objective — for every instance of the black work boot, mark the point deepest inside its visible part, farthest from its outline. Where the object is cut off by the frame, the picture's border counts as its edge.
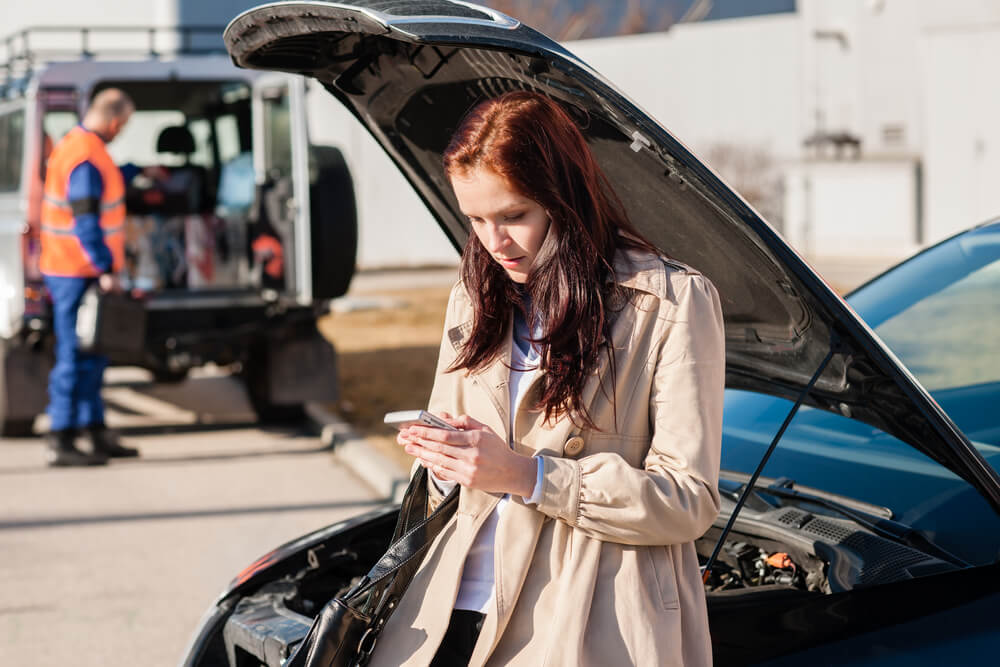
(105, 442)
(63, 451)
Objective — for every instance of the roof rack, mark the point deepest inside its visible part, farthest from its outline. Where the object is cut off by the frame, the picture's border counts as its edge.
(24, 50)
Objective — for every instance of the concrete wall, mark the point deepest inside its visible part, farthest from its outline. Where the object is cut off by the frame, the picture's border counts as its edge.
(852, 209)
(961, 104)
(712, 82)
(914, 80)
(18, 15)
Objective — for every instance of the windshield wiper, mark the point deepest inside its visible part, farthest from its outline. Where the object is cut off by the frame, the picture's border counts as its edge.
(881, 526)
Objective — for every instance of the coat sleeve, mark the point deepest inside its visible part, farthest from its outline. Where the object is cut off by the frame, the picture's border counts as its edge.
(442, 394)
(674, 498)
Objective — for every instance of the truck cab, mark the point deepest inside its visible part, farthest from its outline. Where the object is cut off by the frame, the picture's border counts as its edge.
(238, 230)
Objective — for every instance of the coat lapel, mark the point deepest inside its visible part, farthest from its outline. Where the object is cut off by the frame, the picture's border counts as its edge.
(491, 383)
(488, 403)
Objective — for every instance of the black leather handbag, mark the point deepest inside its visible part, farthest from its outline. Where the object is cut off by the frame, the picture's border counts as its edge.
(347, 628)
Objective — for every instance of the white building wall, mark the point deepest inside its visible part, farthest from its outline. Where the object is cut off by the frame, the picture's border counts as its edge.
(18, 14)
(738, 79)
(962, 127)
(912, 79)
(851, 209)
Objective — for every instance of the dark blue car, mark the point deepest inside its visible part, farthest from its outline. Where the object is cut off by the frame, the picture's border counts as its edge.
(873, 531)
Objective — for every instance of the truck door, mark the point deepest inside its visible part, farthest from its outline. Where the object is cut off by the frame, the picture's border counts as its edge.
(281, 165)
(12, 214)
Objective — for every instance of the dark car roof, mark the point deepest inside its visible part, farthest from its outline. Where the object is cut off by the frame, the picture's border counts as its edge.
(410, 70)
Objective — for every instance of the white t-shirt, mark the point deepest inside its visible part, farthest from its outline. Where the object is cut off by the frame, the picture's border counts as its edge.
(476, 590)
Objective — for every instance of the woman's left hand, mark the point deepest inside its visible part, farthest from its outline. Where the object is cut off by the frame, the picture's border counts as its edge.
(475, 457)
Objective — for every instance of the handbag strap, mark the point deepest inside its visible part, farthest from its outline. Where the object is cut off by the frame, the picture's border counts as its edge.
(412, 544)
(415, 541)
(413, 507)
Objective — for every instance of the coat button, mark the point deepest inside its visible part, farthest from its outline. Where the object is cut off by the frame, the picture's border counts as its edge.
(573, 446)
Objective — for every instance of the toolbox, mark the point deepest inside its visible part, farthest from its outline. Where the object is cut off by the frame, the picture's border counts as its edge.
(111, 324)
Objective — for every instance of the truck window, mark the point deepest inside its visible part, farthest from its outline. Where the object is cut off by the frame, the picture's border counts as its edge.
(137, 141)
(190, 185)
(57, 123)
(201, 132)
(227, 129)
(11, 149)
(277, 135)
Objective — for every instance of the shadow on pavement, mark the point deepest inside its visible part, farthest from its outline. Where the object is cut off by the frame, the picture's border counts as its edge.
(184, 458)
(201, 427)
(56, 521)
(222, 456)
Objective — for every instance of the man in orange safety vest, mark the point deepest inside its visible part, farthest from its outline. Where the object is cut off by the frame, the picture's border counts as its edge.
(83, 242)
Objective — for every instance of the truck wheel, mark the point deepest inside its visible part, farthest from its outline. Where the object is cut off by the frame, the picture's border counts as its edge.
(165, 376)
(272, 413)
(17, 428)
(255, 377)
(23, 385)
(334, 218)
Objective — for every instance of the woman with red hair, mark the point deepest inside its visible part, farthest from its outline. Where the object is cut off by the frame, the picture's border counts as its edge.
(585, 372)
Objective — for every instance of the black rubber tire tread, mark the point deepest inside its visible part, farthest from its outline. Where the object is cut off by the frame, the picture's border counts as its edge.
(164, 376)
(255, 378)
(334, 217)
(17, 428)
(11, 427)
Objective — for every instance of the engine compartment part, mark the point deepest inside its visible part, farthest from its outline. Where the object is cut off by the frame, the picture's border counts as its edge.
(756, 567)
(797, 549)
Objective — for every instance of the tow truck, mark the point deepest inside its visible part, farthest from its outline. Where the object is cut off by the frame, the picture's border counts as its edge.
(239, 230)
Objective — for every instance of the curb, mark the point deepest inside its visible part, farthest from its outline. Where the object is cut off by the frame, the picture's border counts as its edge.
(355, 453)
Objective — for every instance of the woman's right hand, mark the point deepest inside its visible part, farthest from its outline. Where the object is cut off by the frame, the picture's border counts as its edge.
(475, 456)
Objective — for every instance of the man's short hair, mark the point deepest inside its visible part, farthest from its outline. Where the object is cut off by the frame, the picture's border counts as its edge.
(111, 103)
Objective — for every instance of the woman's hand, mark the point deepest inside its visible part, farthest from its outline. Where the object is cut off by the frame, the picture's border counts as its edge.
(475, 457)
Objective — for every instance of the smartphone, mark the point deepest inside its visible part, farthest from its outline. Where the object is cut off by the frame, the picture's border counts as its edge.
(403, 418)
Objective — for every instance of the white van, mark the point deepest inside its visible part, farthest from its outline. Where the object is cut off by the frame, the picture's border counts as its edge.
(239, 231)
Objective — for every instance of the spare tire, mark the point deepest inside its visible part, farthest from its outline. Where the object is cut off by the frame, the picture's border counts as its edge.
(334, 223)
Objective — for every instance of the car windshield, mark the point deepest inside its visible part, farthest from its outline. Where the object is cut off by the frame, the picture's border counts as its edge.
(939, 312)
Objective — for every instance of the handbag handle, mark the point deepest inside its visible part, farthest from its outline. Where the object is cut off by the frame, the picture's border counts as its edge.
(413, 542)
(348, 627)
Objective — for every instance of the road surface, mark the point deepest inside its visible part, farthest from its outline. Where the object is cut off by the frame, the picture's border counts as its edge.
(114, 565)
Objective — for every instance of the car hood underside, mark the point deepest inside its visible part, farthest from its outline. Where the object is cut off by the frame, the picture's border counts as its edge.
(410, 70)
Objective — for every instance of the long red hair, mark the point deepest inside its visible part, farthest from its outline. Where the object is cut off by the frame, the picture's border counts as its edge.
(532, 143)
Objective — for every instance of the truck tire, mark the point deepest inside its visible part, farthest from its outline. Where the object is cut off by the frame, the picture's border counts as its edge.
(17, 428)
(256, 377)
(167, 376)
(27, 371)
(334, 218)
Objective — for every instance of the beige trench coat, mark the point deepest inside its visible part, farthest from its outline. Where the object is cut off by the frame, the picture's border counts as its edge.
(603, 571)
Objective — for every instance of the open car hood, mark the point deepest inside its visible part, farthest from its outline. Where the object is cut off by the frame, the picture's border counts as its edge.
(410, 69)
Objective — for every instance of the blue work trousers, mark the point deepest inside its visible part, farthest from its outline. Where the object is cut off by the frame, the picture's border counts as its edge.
(75, 380)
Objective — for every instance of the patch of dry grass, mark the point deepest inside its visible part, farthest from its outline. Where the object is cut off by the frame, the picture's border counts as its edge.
(387, 359)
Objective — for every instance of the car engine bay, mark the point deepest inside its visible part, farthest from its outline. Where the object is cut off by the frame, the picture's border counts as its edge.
(803, 549)
(784, 552)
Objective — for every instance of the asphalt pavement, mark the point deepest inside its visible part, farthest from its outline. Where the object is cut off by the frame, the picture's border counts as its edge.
(115, 565)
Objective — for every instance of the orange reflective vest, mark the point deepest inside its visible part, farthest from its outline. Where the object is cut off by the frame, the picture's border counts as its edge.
(62, 252)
